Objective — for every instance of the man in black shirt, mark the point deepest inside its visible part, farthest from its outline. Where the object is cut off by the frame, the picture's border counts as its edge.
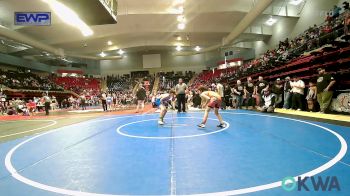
(277, 89)
(227, 95)
(248, 93)
(259, 87)
(238, 90)
(141, 97)
(325, 83)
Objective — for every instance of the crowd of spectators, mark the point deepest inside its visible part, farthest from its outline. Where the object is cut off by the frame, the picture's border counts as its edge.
(311, 96)
(169, 79)
(118, 83)
(26, 107)
(316, 36)
(88, 86)
(26, 80)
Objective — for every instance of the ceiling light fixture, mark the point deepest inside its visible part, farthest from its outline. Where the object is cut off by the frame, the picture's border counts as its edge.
(69, 16)
(181, 26)
(197, 48)
(109, 43)
(295, 2)
(181, 18)
(179, 1)
(178, 48)
(179, 38)
(271, 21)
(180, 10)
(121, 52)
(102, 54)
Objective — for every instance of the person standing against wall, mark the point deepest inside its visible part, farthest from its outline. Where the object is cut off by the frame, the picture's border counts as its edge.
(141, 97)
(259, 87)
(238, 90)
(325, 83)
(287, 89)
(180, 90)
(277, 89)
(47, 103)
(104, 101)
(298, 92)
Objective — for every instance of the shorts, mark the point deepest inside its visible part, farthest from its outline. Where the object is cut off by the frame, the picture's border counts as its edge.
(215, 103)
(165, 104)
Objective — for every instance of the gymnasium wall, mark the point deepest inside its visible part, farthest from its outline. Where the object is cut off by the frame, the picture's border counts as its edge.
(314, 12)
(133, 62)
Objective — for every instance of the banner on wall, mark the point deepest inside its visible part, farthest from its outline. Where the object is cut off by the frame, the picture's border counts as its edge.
(341, 103)
(61, 71)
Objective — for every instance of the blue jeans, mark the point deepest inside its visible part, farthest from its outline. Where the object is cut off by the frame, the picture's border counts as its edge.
(239, 100)
(287, 96)
(278, 100)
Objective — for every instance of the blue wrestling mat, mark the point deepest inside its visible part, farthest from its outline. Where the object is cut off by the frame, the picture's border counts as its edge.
(133, 155)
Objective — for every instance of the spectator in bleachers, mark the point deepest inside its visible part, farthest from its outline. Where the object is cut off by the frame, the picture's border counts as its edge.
(269, 101)
(115, 101)
(311, 97)
(11, 110)
(298, 87)
(104, 101)
(277, 90)
(325, 83)
(83, 101)
(196, 100)
(47, 103)
(328, 18)
(259, 87)
(238, 91)
(249, 89)
(336, 11)
(141, 97)
(109, 101)
(227, 95)
(54, 103)
(287, 89)
(189, 99)
(180, 89)
(27, 80)
(31, 106)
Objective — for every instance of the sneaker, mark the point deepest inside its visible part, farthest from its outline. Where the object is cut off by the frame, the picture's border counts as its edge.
(221, 125)
(298, 109)
(160, 122)
(201, 125)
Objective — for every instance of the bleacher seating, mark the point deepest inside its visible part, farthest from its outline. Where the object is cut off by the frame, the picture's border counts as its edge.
(79, 85)
(27, 81)
(324, 50)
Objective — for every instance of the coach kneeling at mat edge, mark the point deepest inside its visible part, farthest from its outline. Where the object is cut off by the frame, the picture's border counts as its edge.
(181, 96)
(269, 100)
